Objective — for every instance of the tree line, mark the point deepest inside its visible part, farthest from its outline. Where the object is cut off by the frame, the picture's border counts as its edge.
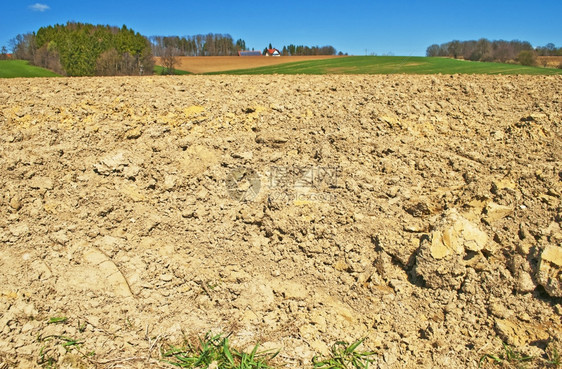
(549, 50)
(293, 50)
(496, 50)
(80, 49)
(216, 44)
(212, 44)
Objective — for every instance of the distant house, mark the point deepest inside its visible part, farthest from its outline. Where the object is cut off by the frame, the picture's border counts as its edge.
(249, 53)
(272, 52)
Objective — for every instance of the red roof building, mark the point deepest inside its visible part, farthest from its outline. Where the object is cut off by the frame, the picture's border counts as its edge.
(272, 52)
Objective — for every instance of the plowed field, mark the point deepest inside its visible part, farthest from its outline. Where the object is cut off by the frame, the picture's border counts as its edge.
(419, 212)
(205, 64)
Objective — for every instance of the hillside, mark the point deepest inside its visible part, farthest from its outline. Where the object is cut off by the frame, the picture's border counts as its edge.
(22, 68)
(394, 65)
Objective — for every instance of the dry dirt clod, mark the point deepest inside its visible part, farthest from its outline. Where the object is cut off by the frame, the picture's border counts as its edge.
(451, 247)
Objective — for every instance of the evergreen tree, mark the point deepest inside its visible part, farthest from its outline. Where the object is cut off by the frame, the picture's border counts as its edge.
(79, 49)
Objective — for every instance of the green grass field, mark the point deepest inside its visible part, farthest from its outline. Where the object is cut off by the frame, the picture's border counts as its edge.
(343, 65)
(159, 70)
(394, 65)
(22, 68)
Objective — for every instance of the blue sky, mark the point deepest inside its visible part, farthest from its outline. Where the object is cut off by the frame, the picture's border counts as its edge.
(354, 26)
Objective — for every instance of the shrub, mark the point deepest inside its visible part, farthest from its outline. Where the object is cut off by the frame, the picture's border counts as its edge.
(527, 57)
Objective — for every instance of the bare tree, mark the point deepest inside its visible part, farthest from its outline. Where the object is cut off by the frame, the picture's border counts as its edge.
(48, 58)
(482, 50)
(432, 50)
(109, 63)
(170, 59)
(454, 48)
(23, 46)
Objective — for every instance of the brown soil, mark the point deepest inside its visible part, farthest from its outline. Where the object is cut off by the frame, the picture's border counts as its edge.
(205, 64)
(420, 212)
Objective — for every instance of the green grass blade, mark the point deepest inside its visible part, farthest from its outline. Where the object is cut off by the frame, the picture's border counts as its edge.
(352, 348)
(254, 351)
(490, 356)
(217, 349)
(227, 352)
(57, 320)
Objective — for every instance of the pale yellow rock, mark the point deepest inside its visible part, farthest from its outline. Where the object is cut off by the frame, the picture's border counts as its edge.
(133, 133)
(193, 110)
(39, 182)
(133, 192)
(392, 121)
(524, 247)
(552, 254)
(290, 290)
(340, 265)
(496, 212)
(457, 235)
(525, 282)
(549, 274)
(474, 238)
(504, 183)
(449, 239)
(19, 230)
(94, 256)
(438, 248)
(249, 317)
(538, 116)
(477, 204)
(550, 200)
(51, 207)
(149, 243)
(112, 163)
(169, 182)
(320, 347)
(518, 333)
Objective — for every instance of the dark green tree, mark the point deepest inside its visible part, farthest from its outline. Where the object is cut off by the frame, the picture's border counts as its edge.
(240, 44)
(86, 49)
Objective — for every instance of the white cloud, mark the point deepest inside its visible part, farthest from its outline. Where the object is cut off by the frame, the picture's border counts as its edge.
(37, 7)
